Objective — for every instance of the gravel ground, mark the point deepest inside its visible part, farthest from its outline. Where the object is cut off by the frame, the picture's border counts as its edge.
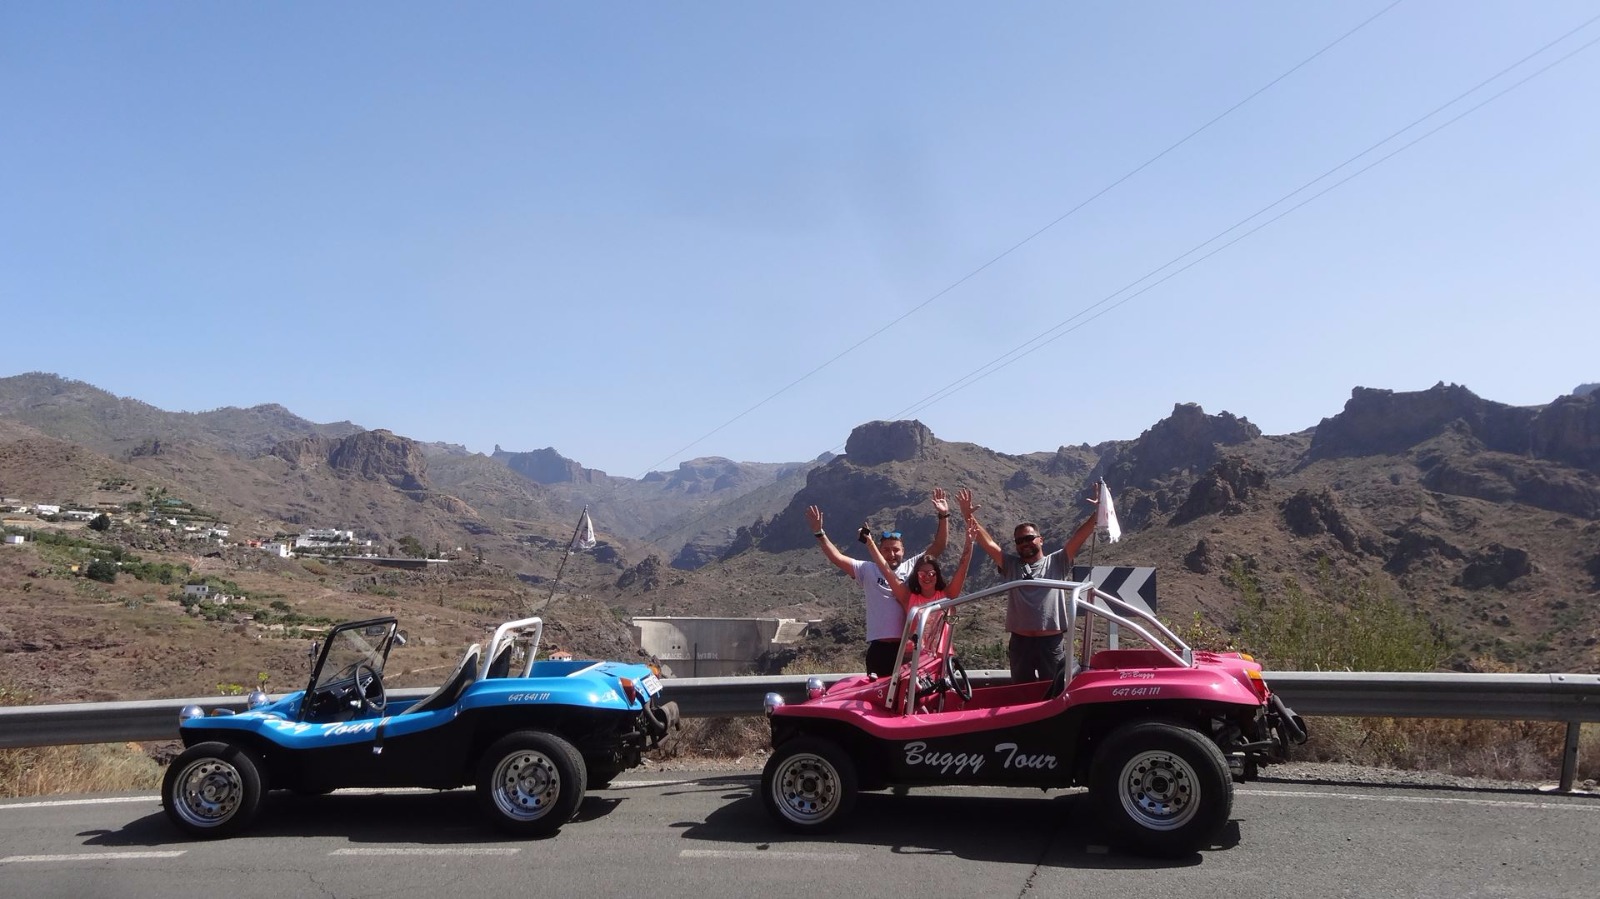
(1336, 773)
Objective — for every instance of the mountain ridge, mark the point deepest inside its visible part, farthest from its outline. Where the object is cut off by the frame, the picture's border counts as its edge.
(1417, 493)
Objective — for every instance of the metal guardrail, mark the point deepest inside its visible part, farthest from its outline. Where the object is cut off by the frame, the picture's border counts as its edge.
(1572, 698)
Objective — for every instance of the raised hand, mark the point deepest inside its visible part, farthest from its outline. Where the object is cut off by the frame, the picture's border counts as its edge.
(940, 504)
(814, 518)
(964, 500)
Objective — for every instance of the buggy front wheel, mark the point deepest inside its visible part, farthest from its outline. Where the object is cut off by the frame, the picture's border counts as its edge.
(809, 785)
(212, 790)
(1163, 789)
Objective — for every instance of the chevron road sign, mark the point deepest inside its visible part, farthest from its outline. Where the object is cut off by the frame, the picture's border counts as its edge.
(1135, 586)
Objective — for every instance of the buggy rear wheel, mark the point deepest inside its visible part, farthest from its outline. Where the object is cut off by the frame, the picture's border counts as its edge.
(212, 790)
(530, 782)
(809, 785)
(1163, 789)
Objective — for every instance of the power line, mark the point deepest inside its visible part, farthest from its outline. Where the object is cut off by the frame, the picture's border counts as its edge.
(1062, 328)
(1049, 336)
(1021, 243)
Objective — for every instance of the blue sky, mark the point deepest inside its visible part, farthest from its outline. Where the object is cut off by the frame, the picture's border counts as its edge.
(642, 233)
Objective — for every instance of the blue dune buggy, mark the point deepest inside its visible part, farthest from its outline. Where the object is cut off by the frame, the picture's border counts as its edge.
(531, 734)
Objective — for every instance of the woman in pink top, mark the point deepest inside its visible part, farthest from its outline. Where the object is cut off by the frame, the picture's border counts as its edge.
(926, 582)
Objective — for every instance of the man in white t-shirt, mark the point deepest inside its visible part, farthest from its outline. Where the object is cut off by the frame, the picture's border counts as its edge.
(885, 616)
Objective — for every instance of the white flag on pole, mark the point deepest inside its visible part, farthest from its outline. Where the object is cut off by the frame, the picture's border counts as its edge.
(584, 538)
(1106, 516)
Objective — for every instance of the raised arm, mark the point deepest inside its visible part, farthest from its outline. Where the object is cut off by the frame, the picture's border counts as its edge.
(941, 535)
(839, 559)
(968, 510)
(1085, 530)
(959, 577)
(902, 593)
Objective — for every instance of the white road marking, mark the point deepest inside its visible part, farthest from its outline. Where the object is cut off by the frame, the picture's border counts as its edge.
(1442, 800)
(430, 850)
(91, 856)
(754, 854)
(53, 803)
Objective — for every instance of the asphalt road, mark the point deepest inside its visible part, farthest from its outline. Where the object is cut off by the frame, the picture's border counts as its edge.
(705, 835)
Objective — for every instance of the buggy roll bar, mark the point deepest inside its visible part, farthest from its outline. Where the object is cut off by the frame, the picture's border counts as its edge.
(510, 632)
(1082, 599)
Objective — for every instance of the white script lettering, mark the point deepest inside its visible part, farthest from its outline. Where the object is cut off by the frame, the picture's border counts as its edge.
(917, 754)
(1016, 760)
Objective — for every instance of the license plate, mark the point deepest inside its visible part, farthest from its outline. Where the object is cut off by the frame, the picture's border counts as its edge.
(652, 684)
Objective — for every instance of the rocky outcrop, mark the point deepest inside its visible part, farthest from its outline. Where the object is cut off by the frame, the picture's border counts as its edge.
(370, 455)
(381, 456)
(1568, 431)
(1188, 439)
(1495, 566)
(1416, 546)
(1222, 489)
(643, 577)
(713, 474)
(696, 554)
(1199, 560)
(1309, 514)
(1383, 422)
(745, 538)
(1499, 478)
(849, 495)
(878, 442)
(304, 451)
(546, 466)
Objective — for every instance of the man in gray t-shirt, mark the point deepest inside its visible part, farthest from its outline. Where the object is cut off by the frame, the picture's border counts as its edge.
(1037, 650)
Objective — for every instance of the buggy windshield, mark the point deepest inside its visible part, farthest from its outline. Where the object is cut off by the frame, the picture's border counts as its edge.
(352, 645)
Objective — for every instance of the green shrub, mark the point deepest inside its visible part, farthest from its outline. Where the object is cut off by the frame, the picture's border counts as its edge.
(1349, 626)
(101, 570)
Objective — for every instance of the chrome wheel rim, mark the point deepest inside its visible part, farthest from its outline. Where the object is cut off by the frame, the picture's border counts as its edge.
(806, 789)
(526, 785)
(1159, 790)
(209, 792)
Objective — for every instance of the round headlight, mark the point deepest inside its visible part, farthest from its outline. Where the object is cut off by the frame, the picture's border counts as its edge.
(814, 687)
(256, 699)
(190, 711)
(772, 702)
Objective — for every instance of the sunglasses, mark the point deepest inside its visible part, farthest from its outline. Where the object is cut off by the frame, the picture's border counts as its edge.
(889, 535)
(1027, 539)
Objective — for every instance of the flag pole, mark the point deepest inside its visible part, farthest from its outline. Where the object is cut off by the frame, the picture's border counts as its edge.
(1094, 536)
(564, 556)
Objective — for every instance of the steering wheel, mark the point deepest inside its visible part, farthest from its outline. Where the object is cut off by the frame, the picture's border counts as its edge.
(369, 690)
(956, 676)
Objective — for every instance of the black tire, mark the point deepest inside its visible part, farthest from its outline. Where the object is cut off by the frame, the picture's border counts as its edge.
(1162, 789)
(530, 783)
(212, 790)
(809, 785)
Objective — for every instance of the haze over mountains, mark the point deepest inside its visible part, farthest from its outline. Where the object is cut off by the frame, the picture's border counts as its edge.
(1483, 516)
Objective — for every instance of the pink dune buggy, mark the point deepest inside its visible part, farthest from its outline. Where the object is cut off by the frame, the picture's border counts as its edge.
(1157, 733)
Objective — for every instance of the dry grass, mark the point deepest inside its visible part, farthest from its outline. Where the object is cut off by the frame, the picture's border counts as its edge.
(716, 739)
(59, 770)
(1500, 750)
